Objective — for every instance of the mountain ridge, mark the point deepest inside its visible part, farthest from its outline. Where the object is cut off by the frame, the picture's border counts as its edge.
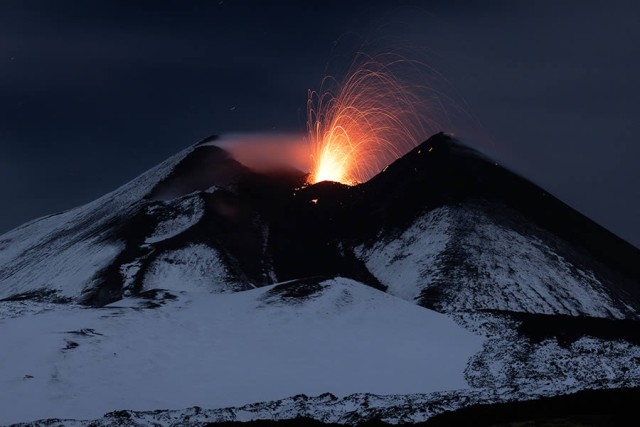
(202, 252)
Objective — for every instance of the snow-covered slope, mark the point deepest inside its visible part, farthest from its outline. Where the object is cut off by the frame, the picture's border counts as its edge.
(211, 350)
(458, 258)
(121, 242)
(63, 252)
(160, 296)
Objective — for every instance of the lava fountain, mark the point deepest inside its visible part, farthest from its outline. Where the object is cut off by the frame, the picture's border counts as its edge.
(360, 125)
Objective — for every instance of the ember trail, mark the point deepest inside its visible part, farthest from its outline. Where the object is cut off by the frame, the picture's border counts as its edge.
(371, 118)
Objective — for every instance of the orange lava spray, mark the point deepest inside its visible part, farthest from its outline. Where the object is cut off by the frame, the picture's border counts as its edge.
(359, 126)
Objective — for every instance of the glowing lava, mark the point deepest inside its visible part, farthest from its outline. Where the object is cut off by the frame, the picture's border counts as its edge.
(359, 126)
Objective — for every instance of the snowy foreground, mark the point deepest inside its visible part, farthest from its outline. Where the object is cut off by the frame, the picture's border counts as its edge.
(218, 350)
(333, 350)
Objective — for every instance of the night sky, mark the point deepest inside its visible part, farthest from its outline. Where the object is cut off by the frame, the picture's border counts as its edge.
(94, 93)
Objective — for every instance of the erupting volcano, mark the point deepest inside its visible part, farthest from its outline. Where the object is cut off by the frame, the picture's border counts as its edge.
(359, 126)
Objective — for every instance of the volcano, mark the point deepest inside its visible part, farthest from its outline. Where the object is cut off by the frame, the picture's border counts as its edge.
(443, 282)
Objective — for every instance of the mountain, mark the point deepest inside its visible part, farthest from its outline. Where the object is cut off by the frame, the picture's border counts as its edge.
(445, 281)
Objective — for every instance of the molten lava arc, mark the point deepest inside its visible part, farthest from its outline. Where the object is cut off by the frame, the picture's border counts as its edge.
(359, 126)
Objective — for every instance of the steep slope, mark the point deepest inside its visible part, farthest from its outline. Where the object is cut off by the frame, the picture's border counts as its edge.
(453, 259)
(183, 218)
(456, 231)
(45, 254)
(435, 227)
(544, 301)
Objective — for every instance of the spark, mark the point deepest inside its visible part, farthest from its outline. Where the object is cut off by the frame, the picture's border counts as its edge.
(359, 126)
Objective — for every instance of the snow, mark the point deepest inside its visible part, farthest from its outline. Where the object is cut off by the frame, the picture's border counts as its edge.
(196, 267)
(207, 344)
(460, 251)
(520, 284)
(45, 253)
(404, 262)
(217, 350)
(515, 367)
(187, 211)
(549, 370)
(68, 269)
(395, 409)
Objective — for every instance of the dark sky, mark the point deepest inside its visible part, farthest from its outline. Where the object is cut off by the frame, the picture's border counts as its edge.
(94, 93)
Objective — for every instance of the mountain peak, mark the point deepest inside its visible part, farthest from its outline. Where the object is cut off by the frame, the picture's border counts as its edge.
(532, 297)
(265, 227)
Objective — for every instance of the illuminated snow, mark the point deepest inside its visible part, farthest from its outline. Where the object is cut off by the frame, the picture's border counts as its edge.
(217, 350)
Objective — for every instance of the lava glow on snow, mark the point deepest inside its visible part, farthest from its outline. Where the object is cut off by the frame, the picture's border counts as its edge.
(359, 126)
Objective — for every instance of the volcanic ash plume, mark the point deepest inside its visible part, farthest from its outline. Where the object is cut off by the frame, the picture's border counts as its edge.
(267, 152)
